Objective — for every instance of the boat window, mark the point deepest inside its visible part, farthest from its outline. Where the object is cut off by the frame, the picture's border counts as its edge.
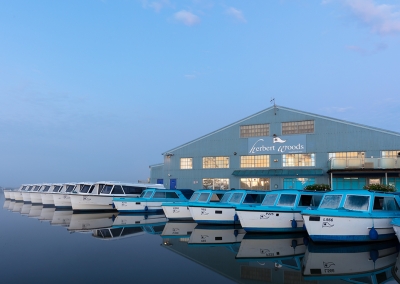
(331, 201)
(216, 197)
(270, 199)
(287, 200)
(46, 188)
(194, 196)
(171, 195)
(203, 197)
(159, 194)
(30, 188)
(236, 197)
(130, 231)
(85, 188)
(91, 188)
(106, 189)
(117, 189)
(133, 189)
(36, 188)
(310, 200)
(116, 232)
(253, 198)
(226, 197)
(385, 203)
(56, 188)
(23, 188)
(357, 202)
(105, 233)
(70, 188)
(148, 194)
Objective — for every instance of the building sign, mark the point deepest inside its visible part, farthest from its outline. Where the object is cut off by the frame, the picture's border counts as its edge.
(277, 145)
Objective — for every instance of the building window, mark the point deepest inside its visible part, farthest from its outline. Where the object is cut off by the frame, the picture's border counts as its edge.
(259, 161)
(346, 155)
(298, 160)
(215, 162)
(254, 130)
(216, 183)
(297, 183)
(186, 163)
(391, 154)
(255, 183)
(298, 127)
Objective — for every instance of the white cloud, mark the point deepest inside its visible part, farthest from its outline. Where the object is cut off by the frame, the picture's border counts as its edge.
(237, 14)
(187, 18)
(157, 6)
(381, 18)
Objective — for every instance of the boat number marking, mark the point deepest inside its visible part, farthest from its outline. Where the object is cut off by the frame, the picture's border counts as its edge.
(266, 215)
(175, 209)
(327, 266)
(87, 198)
(175, 231)
(327, 222)
(123, 203)
(203, 238)
(204, 211)
(266, 252)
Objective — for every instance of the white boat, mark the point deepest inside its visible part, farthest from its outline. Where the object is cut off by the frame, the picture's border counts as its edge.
(180, 210)
(224, 212)
(100, 195)
(62, 198)
(151, 200)
(26, 194)
(90, 221)
(47, 194)
(18, 193)
(280, 211)
(353, 216)
(216, 235)
(353, 263)
(35, 194)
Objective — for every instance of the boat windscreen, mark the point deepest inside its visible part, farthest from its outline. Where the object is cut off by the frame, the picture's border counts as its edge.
(331, 201)
(253, 198)
(148, 194)
(70, 188)
(85, 188)
(133, 189)
(23, 188)
(287, 200)
(46, 188)
(107, 189)
(236, 197)
(30, 188)
(56, 188)
(357, 202)
(117, 190)
(36, 188)
(204, 197)
(270, 199)
(194, 196)
(226, 197)
(385, 203)
(310, 200)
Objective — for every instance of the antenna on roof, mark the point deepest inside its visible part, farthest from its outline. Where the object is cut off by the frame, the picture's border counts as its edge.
(273, 100)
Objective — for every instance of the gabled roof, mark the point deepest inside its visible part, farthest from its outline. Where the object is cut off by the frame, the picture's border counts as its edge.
(275, 108)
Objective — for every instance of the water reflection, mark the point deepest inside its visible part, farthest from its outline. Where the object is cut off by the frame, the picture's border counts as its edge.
(228, 250)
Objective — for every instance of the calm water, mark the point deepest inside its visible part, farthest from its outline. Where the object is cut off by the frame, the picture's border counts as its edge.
(42, 245)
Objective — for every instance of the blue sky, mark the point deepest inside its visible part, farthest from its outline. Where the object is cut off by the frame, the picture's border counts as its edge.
(97, 90)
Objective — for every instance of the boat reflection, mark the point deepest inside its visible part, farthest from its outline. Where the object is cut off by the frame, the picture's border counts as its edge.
(118, 233)
(6, 204)
(178, 229)
(35, 211)
(216, 234)
(151, 223)
(17, 207)
(350, 262)
(47, 213)
(283, 250)
(89, 221)
(61, 218)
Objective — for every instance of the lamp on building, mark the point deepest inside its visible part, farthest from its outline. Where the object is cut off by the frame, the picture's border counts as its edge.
(274, 135)
(169, 155)
(234, 153)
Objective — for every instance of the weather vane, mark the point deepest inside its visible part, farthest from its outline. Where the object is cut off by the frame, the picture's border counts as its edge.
(273, 101)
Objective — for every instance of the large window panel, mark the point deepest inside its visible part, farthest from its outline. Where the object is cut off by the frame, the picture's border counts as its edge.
(216, 183)
(298, 127)
(258, 161)
(255, 183)
(186, 163)
(298, 160)
(215, 162)
(254, 130)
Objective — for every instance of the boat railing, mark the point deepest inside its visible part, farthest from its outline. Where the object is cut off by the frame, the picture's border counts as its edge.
(363, 163)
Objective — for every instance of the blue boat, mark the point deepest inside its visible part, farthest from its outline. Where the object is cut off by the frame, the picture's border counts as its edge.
(224, 212)
(353, 216)
(178, 210)
(151, 200)
(280, 211)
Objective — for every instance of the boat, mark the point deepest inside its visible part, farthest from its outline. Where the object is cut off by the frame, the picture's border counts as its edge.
(151, 200)
(180, 210)
(216, 235)
(224, 212)
(18, 193)
(90, 221)
(26, 194)
(100, 195)
(280, 211)
(62, 198)
(353, 216)
(47, 193)
(350, 262)
(36, 193)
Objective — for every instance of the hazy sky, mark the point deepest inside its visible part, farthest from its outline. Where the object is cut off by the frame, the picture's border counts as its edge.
(97, 90)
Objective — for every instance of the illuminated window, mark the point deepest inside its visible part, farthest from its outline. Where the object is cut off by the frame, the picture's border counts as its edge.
(255, 183)
(259, 161)
(215, 162)
(298, 127)
(216, 183)
(254, 130)
(346, 155)
(298, 160)
(186, 163)
(391, 154)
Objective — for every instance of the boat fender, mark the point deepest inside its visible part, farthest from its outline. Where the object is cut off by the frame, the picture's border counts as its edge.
(146, 208)
(236, 233)
(113, 205)
(236, 218)
(294, 223)
(294, 244)
(113, 218)
(373, 234)
(374, 255)
(306, 241)
(146, 216)
(304, 227)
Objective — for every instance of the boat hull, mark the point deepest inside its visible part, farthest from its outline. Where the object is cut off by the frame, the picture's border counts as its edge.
(18, 196)
(62, 200)
(26, 197)
(177, 212)
(47, 199)
(261, 221)
(137, 207)
(36, 198)
(214, 215)
(91, 202)
(347, 229)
